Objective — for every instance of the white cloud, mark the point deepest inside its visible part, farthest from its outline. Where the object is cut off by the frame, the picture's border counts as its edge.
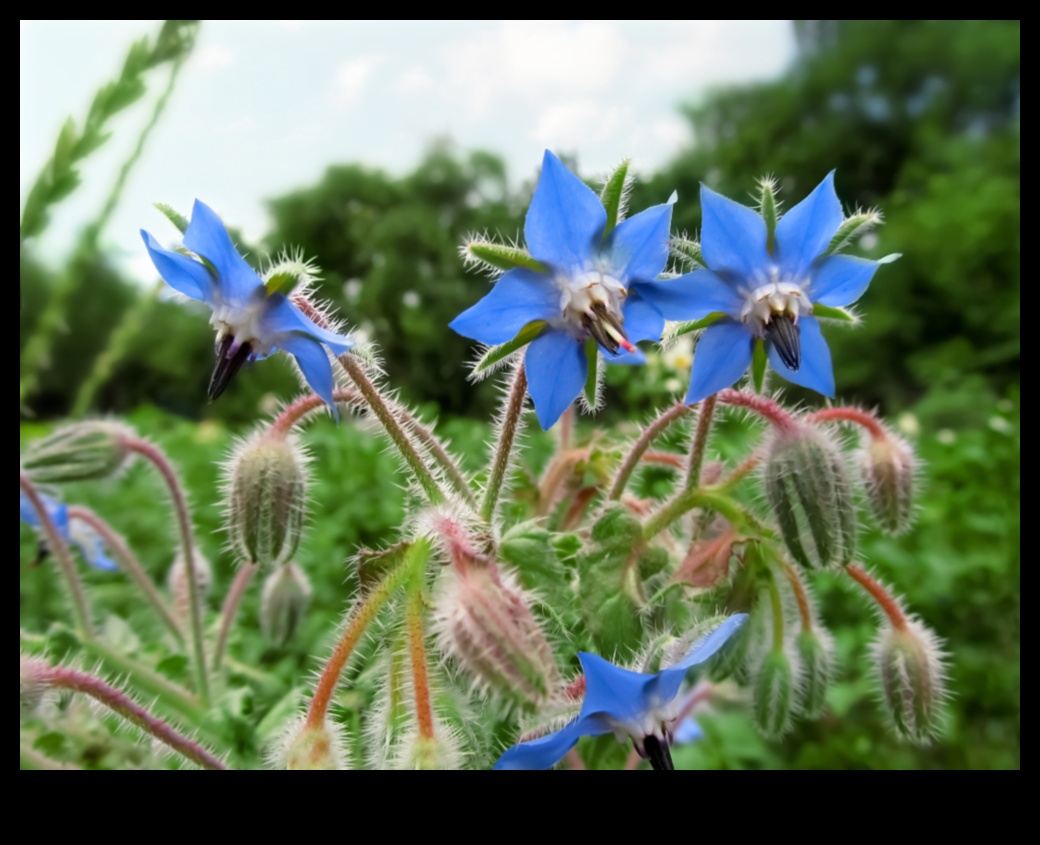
(214, 57)
(574, 123)
(353, 76)
(414, 79)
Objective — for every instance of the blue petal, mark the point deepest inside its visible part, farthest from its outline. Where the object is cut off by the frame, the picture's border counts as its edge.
(26, 512)
(556, 370)
(841, 279)
(183, 274)
(93, 550)
(816, 371)
(566, 218)
(282, 317)
(517, 298)
(691, 297)
(806, 230)
(688, 731)
(722, 356)
(626, 359)
(638, 247)
(666, 684)
(643, 321)
(733, 236)
(611, 690)
(206, 236)
(544, 752)
(313, 362)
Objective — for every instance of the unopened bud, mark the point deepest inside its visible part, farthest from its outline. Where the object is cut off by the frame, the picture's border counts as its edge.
(78, 452)
(286, 596)
(910, 665)
(177, 581)
(774, 694)
(267, 494)
(816, 652)
(32, 683)
(441, 751)
(303, 746)
(888, 468)
(809, 492)
(485, 621)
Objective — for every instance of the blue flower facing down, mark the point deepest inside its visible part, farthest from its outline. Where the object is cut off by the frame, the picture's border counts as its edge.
(628, 704)
(75, 533)
(604, 288)
(769, 295)
(251, 320)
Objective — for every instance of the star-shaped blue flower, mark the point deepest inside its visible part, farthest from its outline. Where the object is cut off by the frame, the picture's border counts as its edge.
(769, 295)
(251, 321)
(628, 704)
(79, 534)
(601, 287)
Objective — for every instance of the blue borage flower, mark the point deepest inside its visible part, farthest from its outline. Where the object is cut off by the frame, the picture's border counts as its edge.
(76, 533)
(768, 294)
(252, 318)
(628, 704)
(594, 286)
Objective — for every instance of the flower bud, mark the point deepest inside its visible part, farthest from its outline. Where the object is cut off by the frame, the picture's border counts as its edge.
(774, 694)
(809, 492)
(302, 746)
(177, 582)
(816, 652)
(78, 452)
(485, 621)
(888, 467)
(286, 596)
(267, 494)
(32, 683)
(910, 666)
(441, 751)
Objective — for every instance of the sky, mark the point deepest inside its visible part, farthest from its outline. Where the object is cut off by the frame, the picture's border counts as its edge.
(264, 107)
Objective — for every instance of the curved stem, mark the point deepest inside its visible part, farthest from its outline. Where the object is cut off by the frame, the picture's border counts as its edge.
(642, 443)
(851, 415)
(778, 612)
(687, 501)
(888, 604)
(230, 609)
(417, 652)
(741, 471)
(130, 565)
(117, 701)
(57, 544)
(700, 442)
(155, 456)
(509, 427)
(561, 466)
(761, 405)
(800, 596)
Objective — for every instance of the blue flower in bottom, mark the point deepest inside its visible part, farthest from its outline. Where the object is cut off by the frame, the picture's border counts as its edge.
(625, 703)
(79, 534)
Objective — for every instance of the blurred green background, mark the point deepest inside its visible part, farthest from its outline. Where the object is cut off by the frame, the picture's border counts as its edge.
(920, 119)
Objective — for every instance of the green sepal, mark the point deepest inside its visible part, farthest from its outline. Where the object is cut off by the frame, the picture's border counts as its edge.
(768, 208)
(679, 329)
(758, 365)
(505, 257)
(830, 312)
(495, 354)
(592, 379)
(282, 282)
(613, 196)
(171, 214)
(856, 225)
(688, 250)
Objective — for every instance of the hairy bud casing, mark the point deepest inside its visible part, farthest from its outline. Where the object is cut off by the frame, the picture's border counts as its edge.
(808, 488)
(79, 452)
(815, 651)
(177, 582)
(910, 666)
(285, 599)
(267, 494)
(888, 468)
(306, 747)
(775, 694)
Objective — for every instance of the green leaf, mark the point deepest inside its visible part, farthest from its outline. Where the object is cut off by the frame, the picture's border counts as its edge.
(51, 743)
(592, 380)
(679, 329)
(688, 250)
(504, 257)
(613, 196)
(174, 216)
(829, 312)
(495, 354)
(758, 365)
(174, 666)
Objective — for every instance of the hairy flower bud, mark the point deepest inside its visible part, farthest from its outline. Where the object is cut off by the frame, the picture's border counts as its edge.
(267, 494)
(78, 452)
(177, 581)
(911, 668)
(888, 468)
(816, 652)
(441, 751)
(811, 497)
(302, 746)
(485, 621)
(286, 596)
(32, 683)
(775, 694)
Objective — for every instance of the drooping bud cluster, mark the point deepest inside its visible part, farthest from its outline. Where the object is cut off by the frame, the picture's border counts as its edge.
(267, 494)
(285, 599)
(177, 582)
(78, 452)
(484, 620)
(888, 469)
(808, 488)
(910, 665)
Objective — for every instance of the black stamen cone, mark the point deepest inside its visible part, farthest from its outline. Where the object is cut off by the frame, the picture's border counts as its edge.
(596, 321)
(658, 753)
(227, 365)
(783, 332)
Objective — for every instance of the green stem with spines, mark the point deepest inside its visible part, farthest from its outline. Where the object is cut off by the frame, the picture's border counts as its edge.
(245, 574)
(417, 653)
(512, 415)
(700, 442)
(686, 501)
(635, 454)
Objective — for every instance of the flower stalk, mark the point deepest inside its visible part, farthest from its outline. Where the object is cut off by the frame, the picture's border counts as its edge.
(635, 454)
(417, 652)
(230, 609)
(512, 420)
(888, 604)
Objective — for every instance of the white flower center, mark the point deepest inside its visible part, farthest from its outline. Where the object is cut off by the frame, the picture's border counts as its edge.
(590, 306)
(658, 721)
(243, 323)
(769, 296)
